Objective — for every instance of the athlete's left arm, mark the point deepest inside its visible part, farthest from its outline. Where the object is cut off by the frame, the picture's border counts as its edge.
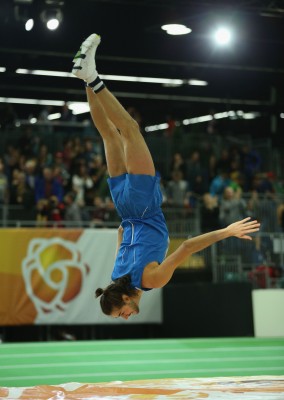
(156, 276)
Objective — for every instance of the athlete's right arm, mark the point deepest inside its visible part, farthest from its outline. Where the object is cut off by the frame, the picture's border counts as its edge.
(119, 238)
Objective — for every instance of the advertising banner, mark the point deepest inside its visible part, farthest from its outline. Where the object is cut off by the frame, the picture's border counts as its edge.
(49, 276)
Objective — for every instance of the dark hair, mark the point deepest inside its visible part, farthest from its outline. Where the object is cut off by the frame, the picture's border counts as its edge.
(111, 296)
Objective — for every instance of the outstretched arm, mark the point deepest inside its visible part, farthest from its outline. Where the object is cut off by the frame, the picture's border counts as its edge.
(158, 276)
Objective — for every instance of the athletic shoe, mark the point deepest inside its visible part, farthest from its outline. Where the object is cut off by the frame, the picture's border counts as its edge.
(84, 61)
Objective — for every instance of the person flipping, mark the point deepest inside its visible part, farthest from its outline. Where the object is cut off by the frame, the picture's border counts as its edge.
(141, 263)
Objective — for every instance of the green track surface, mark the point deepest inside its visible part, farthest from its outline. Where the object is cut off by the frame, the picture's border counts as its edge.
(30, 364)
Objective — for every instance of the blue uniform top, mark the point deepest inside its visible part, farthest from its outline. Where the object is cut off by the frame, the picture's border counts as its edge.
(138, 201)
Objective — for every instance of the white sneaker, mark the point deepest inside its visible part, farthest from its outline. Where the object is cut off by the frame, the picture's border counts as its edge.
(84, 61)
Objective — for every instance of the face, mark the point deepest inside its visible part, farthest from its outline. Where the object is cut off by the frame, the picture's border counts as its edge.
(129, 308)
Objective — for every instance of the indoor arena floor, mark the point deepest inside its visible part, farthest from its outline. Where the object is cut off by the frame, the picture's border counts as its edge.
(144, 369)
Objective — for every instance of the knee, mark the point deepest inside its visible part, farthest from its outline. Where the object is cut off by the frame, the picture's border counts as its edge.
(130, 128)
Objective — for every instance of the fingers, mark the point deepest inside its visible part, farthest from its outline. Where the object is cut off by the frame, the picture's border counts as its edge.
(251, 224)
(245, 219)
(246, 237)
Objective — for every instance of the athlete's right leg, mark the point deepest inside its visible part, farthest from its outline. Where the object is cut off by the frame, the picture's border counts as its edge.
(113, 145)
(85, 68)
(138, 159)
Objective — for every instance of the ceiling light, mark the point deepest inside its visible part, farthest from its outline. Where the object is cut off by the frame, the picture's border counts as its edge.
(17, 100)
(79, 107)
(29, 24)
(197, 120)
(121, 78)
(53, 116)
(222, 36)
(157, 127)
(52, 18)
(44, 72)
(52, 24)
(206, 118)
(176, 29)
(2, 69)
(197, 82)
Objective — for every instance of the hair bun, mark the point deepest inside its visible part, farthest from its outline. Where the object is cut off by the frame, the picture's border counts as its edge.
(99, 292)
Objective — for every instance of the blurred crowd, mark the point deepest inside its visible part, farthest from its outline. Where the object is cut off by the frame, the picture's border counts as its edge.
(68, 185)
(229, 187)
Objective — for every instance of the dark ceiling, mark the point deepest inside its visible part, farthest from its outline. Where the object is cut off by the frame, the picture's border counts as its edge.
(133, 44)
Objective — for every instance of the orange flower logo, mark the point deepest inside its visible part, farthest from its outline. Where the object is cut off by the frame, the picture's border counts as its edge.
(54, 273)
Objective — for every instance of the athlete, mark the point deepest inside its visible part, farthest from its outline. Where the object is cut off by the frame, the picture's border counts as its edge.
(143, 238)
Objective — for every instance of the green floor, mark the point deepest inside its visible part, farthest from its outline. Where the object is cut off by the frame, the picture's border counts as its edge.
(29, 364)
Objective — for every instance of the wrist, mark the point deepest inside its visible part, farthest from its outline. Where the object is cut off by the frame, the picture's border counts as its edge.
(225, 233)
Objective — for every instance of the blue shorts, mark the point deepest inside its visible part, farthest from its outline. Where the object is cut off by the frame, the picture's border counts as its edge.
(136, 196)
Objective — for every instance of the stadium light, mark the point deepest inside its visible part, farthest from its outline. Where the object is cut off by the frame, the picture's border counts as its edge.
(121, 78)
(176, 29)
(223, 36)
(29, 24)
(52, 18)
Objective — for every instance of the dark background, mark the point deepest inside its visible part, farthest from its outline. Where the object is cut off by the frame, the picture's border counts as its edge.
(134, 44)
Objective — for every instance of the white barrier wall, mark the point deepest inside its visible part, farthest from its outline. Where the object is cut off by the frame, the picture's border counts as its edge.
(268, 312)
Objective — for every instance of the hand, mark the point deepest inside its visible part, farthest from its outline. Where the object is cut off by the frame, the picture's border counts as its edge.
(241, 228)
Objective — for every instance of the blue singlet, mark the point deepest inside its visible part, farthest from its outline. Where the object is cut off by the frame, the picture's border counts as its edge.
(138, 200)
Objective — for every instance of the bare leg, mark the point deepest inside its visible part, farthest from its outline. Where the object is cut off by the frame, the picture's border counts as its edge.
(108, 113)
(138, 158)
(113, 144)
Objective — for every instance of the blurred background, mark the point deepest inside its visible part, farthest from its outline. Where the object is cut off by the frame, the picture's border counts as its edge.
(205, 82)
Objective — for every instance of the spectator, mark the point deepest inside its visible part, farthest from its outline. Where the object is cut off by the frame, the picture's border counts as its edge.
(199, 186)
(60, 170)
(12, 159)
(89, 151)
(21, 194)
(264, 208)
(219, 183)
(262, 184)
(99, 214)
(81, 183)
(47, 186)
(98, 174)
(236, 184)
(44, 158)
(67, 114)
(232, 208)
(224, 161)
(72, 213)
(56, 211)
(193, 168)
(30, 171)
(251, 162)
(42, 213)
(209, 213)
(178, 163)
(68, 154)
(178, 190)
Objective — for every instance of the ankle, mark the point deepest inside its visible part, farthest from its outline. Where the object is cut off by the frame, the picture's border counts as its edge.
(97, 84)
